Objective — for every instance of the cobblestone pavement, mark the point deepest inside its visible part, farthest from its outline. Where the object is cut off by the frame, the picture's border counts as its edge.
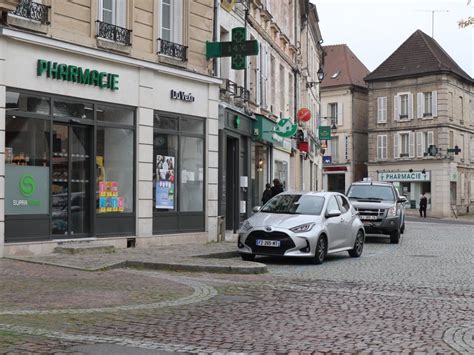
(415, 297)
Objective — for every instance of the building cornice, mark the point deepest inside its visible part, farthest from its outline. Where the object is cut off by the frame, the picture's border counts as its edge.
(100, 54)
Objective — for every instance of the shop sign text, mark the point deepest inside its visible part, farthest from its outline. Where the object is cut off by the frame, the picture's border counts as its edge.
(405, 176)
(75, 74)
(181, 95)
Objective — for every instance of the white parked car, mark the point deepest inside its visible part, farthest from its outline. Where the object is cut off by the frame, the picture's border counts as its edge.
(310, 224)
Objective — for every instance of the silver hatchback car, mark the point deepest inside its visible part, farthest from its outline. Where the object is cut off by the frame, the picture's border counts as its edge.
(310, 224)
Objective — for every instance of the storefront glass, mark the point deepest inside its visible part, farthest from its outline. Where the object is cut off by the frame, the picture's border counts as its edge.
(66, 172)
(178, 188)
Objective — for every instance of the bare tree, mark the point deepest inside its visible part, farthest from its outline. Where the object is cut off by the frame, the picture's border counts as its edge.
(467, 22)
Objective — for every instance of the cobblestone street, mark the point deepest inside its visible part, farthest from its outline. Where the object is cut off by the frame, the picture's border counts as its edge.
(415, 297)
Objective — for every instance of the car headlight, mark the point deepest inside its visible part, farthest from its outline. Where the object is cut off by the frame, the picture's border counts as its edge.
(392, 212)
(302, 228)
(246, 226)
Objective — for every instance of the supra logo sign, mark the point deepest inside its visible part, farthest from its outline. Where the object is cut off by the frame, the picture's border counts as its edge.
(27, 185)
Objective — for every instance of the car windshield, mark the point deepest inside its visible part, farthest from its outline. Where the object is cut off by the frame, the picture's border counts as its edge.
(371, 192)
(295, 204)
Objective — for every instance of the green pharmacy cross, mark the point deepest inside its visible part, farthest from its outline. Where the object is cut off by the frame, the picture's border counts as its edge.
(238, 48)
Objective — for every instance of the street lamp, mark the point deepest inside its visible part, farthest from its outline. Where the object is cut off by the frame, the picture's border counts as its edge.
(333, 127)
(320, 75)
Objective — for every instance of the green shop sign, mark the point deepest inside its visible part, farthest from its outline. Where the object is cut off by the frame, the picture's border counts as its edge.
(26, 190)
(324, 133)
(77, 74)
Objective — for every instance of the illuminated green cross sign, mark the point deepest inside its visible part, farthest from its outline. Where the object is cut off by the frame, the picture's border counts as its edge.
(238, 48)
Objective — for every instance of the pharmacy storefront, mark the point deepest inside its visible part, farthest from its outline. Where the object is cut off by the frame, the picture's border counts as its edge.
(86, 159)
(411, 184)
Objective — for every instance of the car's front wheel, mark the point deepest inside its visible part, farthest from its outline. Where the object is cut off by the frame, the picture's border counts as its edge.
(321, 250)
(247, 257)
(358, 245)
(395, 237)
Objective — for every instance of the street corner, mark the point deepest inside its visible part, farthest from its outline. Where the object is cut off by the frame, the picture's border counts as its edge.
(35, 289)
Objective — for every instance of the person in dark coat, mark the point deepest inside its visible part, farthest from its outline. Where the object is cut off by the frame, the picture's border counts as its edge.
(277, 188)
(267, 194)
(423, 205)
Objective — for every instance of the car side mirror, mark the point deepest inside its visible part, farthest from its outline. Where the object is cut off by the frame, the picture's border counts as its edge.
(256, 209)
(333, 213)
(402, 199)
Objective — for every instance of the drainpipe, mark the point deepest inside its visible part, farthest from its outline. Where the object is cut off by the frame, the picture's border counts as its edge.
(215, 36)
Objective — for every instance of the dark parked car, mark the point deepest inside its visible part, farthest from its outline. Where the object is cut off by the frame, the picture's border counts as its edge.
(380, 207)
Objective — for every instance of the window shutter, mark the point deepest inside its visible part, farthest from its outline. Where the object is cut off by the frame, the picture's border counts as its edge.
(471, 148)
(463, 176)
(410, 106)
(258, 77)
(177, 21)
(384, 109)
(396, 107)
(379, 109)
(340, 118)
(411, 144)
(420, 103)
(434, 103)
(396, 145)
(121, 16)
(430, 138)
(379, 147)
(419, 144)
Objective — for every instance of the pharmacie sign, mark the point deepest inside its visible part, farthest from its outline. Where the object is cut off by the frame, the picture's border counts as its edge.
(26, 190)
(75, 74)
(404, 176)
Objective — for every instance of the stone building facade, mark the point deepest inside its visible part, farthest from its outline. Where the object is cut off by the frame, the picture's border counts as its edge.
(128, 163)
(344, 102)
(421, 126)
(273, 86)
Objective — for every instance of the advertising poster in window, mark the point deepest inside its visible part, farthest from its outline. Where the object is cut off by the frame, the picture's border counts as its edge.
(165, 182)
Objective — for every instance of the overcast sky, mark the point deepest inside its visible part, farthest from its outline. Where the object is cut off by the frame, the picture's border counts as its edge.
(374, 29)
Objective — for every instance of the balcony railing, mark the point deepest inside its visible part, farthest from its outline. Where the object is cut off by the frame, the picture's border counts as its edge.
(33, 11)
(113, 33)
(172, 49)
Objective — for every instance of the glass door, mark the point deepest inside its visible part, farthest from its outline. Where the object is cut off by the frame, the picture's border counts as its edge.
(71, 180)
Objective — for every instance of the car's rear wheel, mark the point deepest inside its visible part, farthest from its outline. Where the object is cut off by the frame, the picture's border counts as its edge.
(358, 245)
(321, 250)
(247, 257)
(395, 237)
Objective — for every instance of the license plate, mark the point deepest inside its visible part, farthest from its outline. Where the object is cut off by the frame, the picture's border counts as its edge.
(268, 243)
(372, 218)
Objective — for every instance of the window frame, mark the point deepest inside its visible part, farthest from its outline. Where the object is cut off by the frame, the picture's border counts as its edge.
(128, 217)
(176, 213)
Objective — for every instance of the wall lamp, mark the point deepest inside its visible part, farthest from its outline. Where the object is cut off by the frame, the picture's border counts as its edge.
(320, 74)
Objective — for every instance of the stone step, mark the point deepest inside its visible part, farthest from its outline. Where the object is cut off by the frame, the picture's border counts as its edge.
(84, 248)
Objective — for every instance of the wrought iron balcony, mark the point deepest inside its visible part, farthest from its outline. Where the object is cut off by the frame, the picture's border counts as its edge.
(172, 49)
(33, 11)
(113, 33)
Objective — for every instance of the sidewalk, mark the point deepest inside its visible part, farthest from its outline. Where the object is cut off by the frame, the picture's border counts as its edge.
(415, 214)
(209, 257)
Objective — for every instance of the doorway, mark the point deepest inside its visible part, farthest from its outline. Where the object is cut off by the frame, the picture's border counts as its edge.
(232, 186)
(71, 169)
(337, 183)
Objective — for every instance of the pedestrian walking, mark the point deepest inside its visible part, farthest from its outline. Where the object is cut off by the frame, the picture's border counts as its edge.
(423, 205)
(267, 194)
(276, 188)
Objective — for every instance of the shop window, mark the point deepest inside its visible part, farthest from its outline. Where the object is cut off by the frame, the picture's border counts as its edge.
(192, 174)
(192, 125)
(115, 115)
(16, 101)
(114, 170)
(165, 155)
(166, 123)
(27, 144)
(73, 109)
(178, 189)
